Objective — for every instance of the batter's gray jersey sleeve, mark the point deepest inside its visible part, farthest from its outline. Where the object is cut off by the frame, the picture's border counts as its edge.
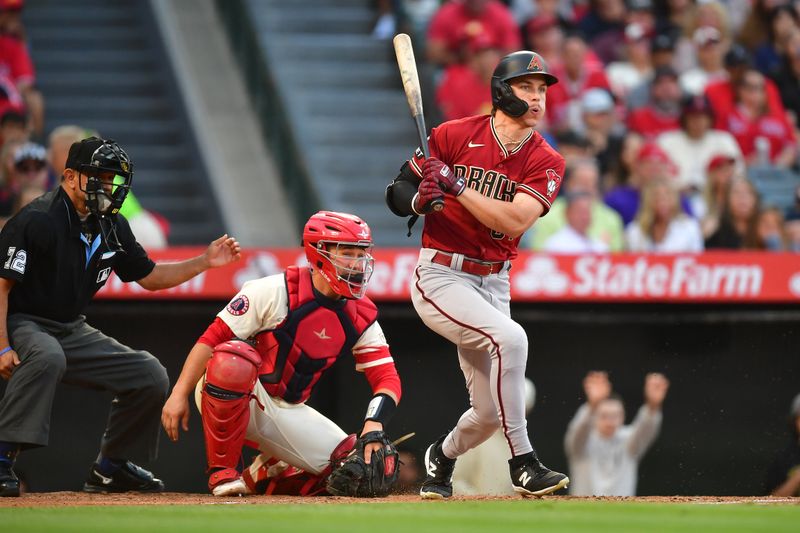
(578, 432)
(645, 428)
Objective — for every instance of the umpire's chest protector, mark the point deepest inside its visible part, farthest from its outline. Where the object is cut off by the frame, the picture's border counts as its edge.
(314, 333)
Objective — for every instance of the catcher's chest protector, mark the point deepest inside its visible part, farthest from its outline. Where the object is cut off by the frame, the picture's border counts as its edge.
(315, 332)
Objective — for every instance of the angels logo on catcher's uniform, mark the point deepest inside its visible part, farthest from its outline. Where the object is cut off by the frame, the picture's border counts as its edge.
(553, 179)
(239, 306)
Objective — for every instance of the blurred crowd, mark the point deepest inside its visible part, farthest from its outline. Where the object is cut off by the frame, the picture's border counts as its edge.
(677, 118)
(28, 168)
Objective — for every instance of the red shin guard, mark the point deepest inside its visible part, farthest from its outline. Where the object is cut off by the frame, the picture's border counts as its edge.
(225, 406)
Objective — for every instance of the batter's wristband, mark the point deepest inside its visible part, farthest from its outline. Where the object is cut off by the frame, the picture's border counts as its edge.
(380, 408)
(6, 350)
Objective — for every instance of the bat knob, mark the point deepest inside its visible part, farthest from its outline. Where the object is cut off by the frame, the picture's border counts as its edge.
(438, 204)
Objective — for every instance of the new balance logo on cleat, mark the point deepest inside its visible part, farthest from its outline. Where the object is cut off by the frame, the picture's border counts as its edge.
(532, 478)
(439, 468)
(105, 480)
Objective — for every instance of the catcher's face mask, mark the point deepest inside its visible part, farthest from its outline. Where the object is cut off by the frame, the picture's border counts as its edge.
(347, 267)
(108, 179)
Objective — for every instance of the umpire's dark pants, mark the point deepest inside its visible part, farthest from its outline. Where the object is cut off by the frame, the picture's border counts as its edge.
(78, 354)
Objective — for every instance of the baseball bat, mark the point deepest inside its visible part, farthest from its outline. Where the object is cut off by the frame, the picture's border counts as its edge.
(408, 72)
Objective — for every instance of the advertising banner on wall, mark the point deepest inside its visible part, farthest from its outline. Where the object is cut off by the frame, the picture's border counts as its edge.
(711, 277)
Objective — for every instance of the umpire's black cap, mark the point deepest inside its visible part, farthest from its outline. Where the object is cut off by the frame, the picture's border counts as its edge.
(80, 153)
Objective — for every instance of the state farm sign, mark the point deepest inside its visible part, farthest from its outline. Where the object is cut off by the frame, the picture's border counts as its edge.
(624, 277)
(709, 277)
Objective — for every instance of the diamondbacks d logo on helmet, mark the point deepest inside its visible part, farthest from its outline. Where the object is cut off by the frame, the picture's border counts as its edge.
(535, 65)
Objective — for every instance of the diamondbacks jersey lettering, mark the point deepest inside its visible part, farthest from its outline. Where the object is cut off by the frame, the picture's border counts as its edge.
(300, 334)
(472, 148)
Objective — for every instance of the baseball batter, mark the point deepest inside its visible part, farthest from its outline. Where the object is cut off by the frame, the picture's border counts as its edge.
(296, 324)
(498, 176)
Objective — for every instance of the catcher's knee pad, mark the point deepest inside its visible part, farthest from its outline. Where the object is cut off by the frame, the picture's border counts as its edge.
(233, 367)
(344, 448)
(231, 374)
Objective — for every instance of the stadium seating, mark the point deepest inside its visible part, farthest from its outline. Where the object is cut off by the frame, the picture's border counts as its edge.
(101, 65)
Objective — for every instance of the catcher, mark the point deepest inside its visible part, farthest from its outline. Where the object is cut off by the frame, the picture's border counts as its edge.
(260, 359)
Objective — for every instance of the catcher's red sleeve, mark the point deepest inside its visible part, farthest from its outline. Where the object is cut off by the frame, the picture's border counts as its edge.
(384, 377)
(216, 333)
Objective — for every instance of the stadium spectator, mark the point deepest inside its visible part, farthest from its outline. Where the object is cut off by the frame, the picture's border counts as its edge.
(794, 210)
(18, 81)
(465, 89)
(609, 46)
(572, 145)
(660, 225)
(663, 112)
(14, 126)
(710, 67)
(783, 476)
(30, 167)
(385, 20)
(601, 128)
(651, 163)
(791, 228)
(622, 166)
(545, 35)
(58, 143)
(581, 178)
(574, 237)
(783, 23)
(675, 16)
(709, 204)
(579, 71)
(755, 29)
(770, 230)
(697, 143)
(764, 134)
(787, 77)
(603, 26)
(603, 453)
(635, 66)
(11, 18)
(460, 19)
(738, 225)
(722, 94)
(662, 55)
(6, 172)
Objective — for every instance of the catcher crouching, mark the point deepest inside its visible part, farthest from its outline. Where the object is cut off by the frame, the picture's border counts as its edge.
(255, 366)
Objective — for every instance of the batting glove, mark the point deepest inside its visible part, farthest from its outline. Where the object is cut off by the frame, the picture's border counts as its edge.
(428, 192)
(437, 171)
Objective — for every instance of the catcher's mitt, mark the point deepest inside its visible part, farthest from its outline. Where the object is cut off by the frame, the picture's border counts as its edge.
(354, 477)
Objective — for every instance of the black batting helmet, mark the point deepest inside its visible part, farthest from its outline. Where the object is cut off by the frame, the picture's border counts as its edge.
(512, 66)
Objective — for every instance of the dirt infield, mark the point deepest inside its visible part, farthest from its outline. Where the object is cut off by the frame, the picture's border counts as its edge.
(79, 499)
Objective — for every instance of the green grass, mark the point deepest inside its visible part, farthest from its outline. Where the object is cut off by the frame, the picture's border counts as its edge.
(455, 516)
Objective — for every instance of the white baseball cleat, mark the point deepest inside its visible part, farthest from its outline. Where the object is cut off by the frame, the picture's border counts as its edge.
(236, 487)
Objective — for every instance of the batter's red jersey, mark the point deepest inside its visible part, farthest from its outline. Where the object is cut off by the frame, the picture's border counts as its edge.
(471, 147)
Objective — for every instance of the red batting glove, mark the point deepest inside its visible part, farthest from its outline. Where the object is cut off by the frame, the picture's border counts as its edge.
(427, 192)
(437, 171)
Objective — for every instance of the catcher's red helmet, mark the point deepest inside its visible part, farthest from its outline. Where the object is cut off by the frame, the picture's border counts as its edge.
(324, 235)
